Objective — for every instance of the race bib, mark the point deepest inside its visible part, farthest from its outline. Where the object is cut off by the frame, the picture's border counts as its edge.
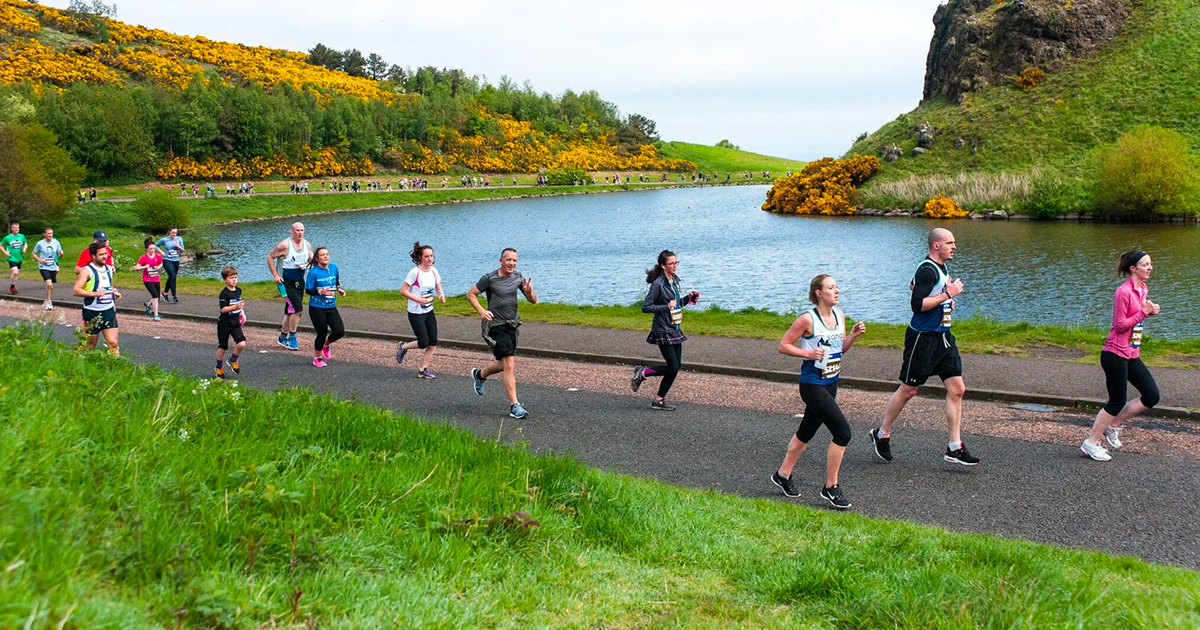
(830, 365)
(947, 307)
(676, 316)
(152, 272)
(1135, 337)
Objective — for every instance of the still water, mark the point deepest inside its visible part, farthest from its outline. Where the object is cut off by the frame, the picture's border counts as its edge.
(594, 249)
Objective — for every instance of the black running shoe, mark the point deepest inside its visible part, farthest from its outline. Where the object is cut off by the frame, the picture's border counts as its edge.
(834, 495)
(883, 446)
(785, 484)
(661, 405)
(961, 456)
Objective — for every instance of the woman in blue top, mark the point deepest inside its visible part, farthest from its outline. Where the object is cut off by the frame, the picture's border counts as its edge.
(323, 285)
(171, 247)
(819, 337)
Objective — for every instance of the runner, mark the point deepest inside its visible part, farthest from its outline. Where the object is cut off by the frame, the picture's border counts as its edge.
(323, 285)
(151, 264)
(501, 324)
(1121, 357)
(229, 322)
(666, 300)
(47, 252)
(171, 246)
(14, 245)
(420, 285)
(929, 349)
(821, 334)
(297, 255)
(95, 286)
(85, 257)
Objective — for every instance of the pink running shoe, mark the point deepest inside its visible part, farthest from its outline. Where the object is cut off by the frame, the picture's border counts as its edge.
(325, 353)
(319, 362)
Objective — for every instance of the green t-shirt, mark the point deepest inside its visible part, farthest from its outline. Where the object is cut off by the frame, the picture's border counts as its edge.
(15, 244)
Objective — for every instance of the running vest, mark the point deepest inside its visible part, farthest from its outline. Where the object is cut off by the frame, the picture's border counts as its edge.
(297, 258)
(935, 319)
(831, 340)
(101, 281)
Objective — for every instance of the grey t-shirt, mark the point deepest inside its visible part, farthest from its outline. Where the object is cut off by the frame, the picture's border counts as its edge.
(501, 292)
(52, 251)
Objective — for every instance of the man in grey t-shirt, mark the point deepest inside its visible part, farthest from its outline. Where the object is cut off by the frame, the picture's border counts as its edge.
(500, 322)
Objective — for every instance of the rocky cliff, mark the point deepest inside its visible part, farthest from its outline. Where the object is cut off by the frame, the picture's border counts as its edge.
(977, 43)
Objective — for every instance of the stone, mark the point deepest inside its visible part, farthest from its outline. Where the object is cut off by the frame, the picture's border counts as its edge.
(924, 135)
(1071, 216)
(919, 151)
(974, 215)
(1019, 217)
(999, 214)
(960, 142)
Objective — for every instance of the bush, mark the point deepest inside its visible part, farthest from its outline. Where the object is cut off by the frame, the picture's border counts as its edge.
(1147, 173)
(1051, 196)
(568, 177)
(826, 186)
(159, 210)
(1030, 78)
(943, 207)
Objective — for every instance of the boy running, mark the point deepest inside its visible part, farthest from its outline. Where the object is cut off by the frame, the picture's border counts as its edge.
(229, 323)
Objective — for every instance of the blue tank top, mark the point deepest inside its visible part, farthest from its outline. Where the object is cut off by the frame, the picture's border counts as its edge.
(831, 340)
(935, 319)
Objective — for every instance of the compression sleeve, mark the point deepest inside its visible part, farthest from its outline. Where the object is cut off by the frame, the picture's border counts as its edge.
(923, 286)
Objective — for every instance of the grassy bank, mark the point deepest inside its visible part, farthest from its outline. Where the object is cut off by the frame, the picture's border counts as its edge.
(721, 160)
(134, 498)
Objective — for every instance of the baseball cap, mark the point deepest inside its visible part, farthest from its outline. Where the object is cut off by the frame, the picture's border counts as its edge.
(99, 236)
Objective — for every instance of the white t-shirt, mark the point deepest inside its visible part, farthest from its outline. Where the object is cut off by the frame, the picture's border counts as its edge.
(422, 283)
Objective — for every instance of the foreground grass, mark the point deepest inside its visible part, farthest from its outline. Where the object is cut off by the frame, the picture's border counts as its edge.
(132, 498)
(720, 160)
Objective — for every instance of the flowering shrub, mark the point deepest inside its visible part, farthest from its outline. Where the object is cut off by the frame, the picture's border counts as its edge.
(942, 207)
(31, 60)
(1030, 78)
(16, 21)
(144, 62)
(324, 163)
(826, 186)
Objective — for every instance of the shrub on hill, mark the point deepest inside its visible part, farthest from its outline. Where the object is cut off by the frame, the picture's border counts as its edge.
(943, 207)
(1148, 172)
(159, 210)
(1051, 196)
(826, 186)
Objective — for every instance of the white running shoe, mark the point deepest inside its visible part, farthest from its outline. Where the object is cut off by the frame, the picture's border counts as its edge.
(47, 306)
(1112, 435)
(1095, 451)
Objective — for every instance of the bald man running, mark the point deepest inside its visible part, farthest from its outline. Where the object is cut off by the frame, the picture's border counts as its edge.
(929, 349)
(295, 254)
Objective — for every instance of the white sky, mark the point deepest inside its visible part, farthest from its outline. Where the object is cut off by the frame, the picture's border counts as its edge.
(798, 78)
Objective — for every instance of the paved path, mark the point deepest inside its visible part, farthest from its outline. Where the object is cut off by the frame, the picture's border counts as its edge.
(1047, 381)
(1139, 505)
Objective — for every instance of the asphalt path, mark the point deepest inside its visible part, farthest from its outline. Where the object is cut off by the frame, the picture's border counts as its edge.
(1137, 505)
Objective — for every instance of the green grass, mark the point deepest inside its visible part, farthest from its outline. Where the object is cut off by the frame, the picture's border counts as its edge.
(134, 498)
(1147, 75)
(720, 160)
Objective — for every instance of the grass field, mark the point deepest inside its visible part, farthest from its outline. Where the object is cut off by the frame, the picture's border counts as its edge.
(1147, 75)
(134, 498)
(720, 160)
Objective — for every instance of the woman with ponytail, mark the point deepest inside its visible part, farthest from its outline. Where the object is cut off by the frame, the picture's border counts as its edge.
(420, 286)
(665, 299)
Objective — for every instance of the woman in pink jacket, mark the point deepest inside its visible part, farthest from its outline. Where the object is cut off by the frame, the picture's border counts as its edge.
(1120, 357)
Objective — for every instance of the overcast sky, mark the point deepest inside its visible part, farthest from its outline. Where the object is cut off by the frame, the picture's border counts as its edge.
(797, 78)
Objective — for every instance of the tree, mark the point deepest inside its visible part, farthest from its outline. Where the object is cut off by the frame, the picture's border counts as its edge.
(1147, 172)
(396, 74)
(38, 179)
(321, 55)
(726, 144)
(93, 7)
(376, 67)
(106, 128)
(353, 63)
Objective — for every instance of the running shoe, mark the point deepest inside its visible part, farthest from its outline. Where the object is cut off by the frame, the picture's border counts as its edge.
(50, 306)
(517, 411)
(219, 372)
(661, 405)
(46, 305)
(283, 340)
(292, 342)
(833, 494)
(425, 373)
(12, 288)
(319, 362)
(961, 456)
(157, 318)
(639, 377)
(325, 353)
(149, 310)
(175, 298)
(785, 484)
(883, 446)
(233, 365)
(480, 383)
(1095, 451)
(1112, 435)
(400, 352)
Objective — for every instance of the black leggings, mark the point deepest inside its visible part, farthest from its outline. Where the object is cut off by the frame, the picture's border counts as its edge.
(820, 407)
(172, 269)
(424, 326)
(326, 321)
(673, 355)
(1117, 372)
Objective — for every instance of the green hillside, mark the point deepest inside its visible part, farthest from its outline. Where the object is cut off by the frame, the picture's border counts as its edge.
(1150, 74)
(721, 160)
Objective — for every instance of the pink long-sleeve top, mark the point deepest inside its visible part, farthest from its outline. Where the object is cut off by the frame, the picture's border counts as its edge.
(1127, 315)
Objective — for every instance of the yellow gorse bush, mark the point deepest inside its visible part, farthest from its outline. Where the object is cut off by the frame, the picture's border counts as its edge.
(17, 22)
(943, 207)
(31, 60)
(826, 186)
(323, 163)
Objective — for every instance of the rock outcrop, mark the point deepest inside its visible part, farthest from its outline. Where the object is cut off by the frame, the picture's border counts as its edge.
(977, 43)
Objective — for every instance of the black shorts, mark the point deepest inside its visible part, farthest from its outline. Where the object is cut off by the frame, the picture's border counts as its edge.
(154, 288)
(929, 353)
(13, 263)
(95, 321)
(424, 326)
(295, 295)
(48, 274)
(227, 329)
(506, 340)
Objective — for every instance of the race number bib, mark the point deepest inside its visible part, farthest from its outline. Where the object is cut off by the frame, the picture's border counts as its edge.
(152, 272)
(830, 365)
(1135, 337)
(676, 316)
(947, 307)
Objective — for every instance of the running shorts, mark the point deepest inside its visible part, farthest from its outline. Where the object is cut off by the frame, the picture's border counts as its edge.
(424, 326)
(154, 288)
(225, 330)
(506, 341)
(51, 275)
(95, 321)
(13, 263)
(929, 353)
(295, 295)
